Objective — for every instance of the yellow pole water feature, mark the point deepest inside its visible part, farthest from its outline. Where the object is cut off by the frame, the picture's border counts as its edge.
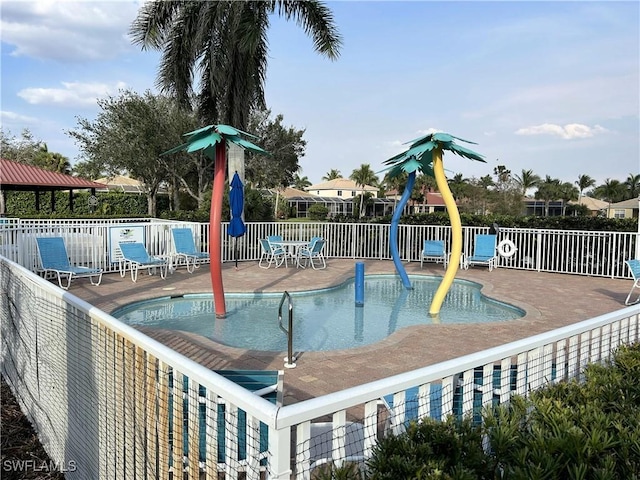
(456, 233)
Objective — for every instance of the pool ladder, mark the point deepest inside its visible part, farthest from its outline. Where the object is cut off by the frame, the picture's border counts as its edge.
(289, 360)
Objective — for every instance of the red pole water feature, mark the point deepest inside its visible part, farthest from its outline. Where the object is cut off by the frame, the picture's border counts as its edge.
(215, 229)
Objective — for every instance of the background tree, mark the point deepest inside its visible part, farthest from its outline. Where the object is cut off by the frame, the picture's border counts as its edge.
(548, 190)
(300, 183)
(129, 134)
(567, 192)
(611, 191)
(332, 175)
(526, 181)
(632, 184)
(458, 186)
(362, 177)
(284, 143)
(584, 181)
(30, 151)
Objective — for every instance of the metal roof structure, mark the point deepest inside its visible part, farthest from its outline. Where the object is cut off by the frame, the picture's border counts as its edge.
(23, 177)
(20, 176)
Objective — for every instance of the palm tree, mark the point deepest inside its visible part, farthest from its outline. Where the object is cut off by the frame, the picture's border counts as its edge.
(633, 185)
(425, 155)
(584, 182)
(567, 192)
(611, 191)
(527, 180)
(458, 186)
(300, 182)
(212, 140)
(363, 176)
(226, 43)
(332, 175)
(548, 190)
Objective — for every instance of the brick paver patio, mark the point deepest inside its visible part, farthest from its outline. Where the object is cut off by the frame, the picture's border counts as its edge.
(550, 300)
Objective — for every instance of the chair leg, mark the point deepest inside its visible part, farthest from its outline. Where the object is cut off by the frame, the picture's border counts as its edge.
(627, 300)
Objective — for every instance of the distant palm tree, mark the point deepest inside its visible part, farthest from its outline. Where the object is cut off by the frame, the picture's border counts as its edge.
(332, 175)
(527, 180)
(458, 186)
(584, 182)
(300, 183)
(364, 176)
(567, 192)
(611, 191)
(633, 185)
(548, 190)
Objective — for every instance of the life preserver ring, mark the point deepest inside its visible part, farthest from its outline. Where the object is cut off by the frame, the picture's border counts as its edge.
(506, 248)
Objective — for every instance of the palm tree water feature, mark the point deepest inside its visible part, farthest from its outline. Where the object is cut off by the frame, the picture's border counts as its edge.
(425, 155)
(323, 320)
(212, 140)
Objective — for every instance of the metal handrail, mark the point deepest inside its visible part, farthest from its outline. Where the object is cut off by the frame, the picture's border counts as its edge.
(289, 361)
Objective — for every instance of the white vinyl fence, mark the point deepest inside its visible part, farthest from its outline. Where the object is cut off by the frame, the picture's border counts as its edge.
(94, 243)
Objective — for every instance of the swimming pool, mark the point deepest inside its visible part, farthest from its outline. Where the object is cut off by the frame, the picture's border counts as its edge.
(323, 320)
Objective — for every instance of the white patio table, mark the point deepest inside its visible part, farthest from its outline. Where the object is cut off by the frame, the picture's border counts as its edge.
(291, 247)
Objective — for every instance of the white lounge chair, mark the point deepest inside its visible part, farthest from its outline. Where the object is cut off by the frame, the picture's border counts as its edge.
(634, 266)
(433, 251)
(185, 248)
(136, 257)
(54, 258)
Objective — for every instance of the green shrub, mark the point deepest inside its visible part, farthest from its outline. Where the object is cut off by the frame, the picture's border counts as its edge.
(431, 449)
(318, 211)
(577, 430)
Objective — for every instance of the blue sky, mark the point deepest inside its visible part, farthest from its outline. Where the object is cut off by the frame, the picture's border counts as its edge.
(549, 86)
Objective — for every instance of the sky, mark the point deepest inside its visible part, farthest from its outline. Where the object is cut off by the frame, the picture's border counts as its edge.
(551, 87)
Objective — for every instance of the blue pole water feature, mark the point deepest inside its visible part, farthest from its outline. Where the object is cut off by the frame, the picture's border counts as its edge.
(359, 284)
(393, 233)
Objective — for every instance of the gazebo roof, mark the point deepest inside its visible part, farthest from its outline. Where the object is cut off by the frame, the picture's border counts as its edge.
(20, 176)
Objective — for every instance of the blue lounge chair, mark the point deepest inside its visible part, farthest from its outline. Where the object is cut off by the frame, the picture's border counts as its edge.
(54, 258)
(185, 248)
(433, 250)
(309, 254)
(484, 252)
(634, 266)
(136, 257)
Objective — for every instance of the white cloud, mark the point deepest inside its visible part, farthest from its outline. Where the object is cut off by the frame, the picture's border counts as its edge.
(67, 31)
(568, 132)
(12, 117)
(74, 94)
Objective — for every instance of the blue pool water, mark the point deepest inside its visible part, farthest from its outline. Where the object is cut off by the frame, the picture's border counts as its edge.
(323, 319)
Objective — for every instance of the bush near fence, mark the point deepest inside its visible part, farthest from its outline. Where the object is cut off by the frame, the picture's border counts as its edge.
(575, 429)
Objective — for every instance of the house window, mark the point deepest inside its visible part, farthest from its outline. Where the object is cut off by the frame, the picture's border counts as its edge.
(618, 214)
(339, 193)
(353, 193)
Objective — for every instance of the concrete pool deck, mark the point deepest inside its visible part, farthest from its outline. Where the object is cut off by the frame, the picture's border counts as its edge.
(550, 300)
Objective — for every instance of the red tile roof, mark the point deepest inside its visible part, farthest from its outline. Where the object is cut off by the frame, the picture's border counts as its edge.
(19, 176)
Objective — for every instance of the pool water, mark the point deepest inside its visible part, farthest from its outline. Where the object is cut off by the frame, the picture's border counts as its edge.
(326, 319)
